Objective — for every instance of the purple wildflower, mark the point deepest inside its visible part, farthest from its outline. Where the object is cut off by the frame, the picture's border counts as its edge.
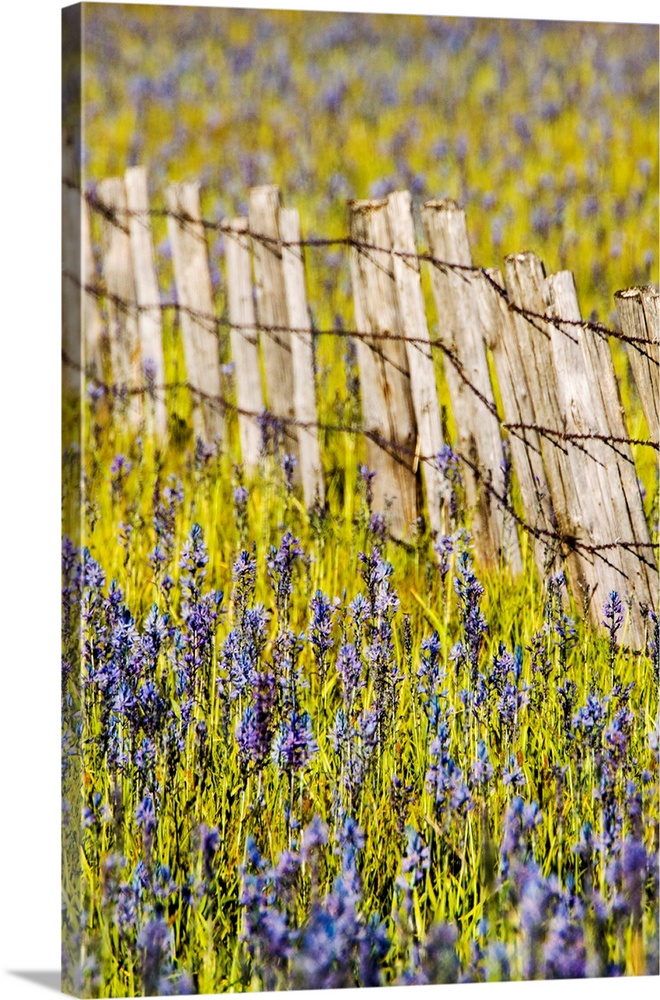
(367, 476)
(513, 774)
(349, 668)
(452, 488)
(155, 943)
(280, 571)
(120, 466)
(254, 732)
(612, 620)
(613, 614)
(444, 548)
(469, 592)
(481, 769)
(244, 575)
(564, 950)
(417, 858)
(150, 371)
(289, 463)
(430, 674)
(320, 630)
(444, 782)
(589, 721)
(314, 837)
(295, 745)
(272, 433)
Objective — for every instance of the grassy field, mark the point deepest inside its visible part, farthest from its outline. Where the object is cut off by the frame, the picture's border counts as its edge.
(475, 770)
(305, 755)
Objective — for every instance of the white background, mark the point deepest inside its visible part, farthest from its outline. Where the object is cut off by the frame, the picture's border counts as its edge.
(29, 485)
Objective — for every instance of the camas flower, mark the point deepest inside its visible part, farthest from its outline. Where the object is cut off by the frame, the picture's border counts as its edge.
(320, 628)
(613, 614)
(295, 746)
(417, 859)
(280, 570)
(481, 769)
(155, 944)
(349, 668)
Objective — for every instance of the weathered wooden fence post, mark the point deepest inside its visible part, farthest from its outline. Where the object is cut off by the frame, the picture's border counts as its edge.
(622, 475)
(195, 297)
(123, 337)
(387, 409)
(418, 350)
(243, 338)
(272, 311)
(302, 357)
(72, 335)
(638, 315)
(525, 278)
(92, 334)
(468, 378)
(148, 299)
(497, 323)
(603, 506)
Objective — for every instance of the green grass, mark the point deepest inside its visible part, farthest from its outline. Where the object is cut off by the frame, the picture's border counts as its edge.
(551, 116)
(210, 786)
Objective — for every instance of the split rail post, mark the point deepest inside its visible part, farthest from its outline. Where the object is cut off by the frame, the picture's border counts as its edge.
(603, 512)
(497, 323)
(82, 325)
(525, 277)
(302, 357)
(199, 326)
(243, 339)
(621, 467)
(272, 312)
(387, 409)
(405, 263)
(71, 273)
(638, 315)
(150, 325)
(468, 379)
(92, 333)
(123, 335)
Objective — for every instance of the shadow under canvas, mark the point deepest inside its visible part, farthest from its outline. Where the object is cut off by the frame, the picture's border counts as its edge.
(49, 979)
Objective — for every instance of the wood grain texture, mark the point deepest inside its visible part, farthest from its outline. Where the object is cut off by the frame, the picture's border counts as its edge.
(94, 337)
(192, 278)
(477, 424)
(622, 475)
(302, 357)
(243, 339)
(117, 265)
(423, 386)
(272, 311)
(525, 278)
(497, 324)
(150, 328)
(603, 510)
(387, 410)
(638, 315)
(72, 320)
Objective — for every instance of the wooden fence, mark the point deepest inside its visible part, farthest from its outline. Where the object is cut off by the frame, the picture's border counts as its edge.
(559, 404)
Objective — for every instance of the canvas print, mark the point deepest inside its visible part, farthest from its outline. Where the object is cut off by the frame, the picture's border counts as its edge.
(360, 500)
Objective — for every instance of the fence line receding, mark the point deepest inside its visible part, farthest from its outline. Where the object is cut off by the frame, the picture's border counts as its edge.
(559, 427)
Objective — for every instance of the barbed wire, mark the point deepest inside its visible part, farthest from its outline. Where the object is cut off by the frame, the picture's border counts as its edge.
(401, 452)
(114, 217)
(373, 339)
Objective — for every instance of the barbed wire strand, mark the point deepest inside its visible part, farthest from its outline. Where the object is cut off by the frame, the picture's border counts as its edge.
(112, 216)
(373, 339)
(397, 450)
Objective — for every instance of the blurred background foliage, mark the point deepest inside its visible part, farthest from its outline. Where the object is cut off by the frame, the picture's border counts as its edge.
(546, 132)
